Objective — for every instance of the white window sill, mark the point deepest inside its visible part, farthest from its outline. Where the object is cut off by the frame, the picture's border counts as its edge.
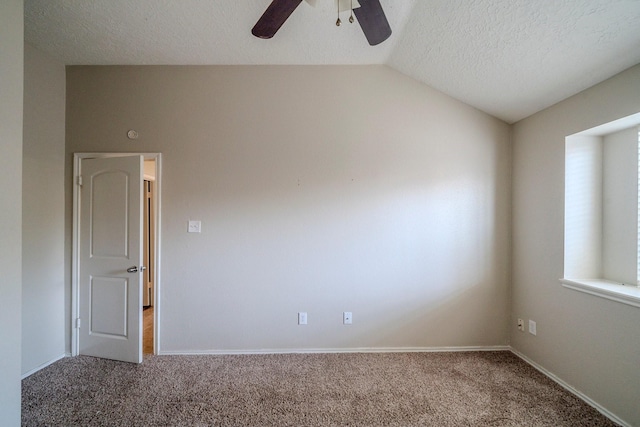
(626, 294)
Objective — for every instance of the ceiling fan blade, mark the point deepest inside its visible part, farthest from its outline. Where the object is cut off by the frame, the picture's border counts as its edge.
(273, 18)
(373, 21)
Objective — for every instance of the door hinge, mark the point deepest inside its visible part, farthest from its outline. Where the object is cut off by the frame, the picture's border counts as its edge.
(78, 323)
(79, 180)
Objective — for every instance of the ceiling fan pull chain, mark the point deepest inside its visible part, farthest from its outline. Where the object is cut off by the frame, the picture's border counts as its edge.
(351, 17)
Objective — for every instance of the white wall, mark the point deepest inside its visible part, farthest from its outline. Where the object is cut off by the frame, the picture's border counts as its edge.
(43, 286)
(11, 84)
(320, 189)
(589, 342)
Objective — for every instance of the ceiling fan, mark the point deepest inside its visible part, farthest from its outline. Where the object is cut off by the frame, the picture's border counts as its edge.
(370, 16)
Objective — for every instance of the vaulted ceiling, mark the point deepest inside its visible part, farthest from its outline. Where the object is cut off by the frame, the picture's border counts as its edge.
(509, 58)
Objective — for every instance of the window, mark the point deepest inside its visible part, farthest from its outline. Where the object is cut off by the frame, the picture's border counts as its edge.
(602, 211)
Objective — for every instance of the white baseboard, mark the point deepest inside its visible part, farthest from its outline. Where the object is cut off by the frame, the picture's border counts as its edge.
(338, 350)
(604, 411)
(44, 365)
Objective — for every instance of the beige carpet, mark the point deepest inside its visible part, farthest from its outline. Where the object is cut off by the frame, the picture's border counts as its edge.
(399, 389)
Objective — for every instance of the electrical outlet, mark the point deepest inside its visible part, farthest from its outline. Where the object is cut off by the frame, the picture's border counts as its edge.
(532, 327)
(521, 325)
(347, 318)
(302, 318)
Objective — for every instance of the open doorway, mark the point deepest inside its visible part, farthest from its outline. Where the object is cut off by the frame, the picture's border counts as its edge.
(116, 223)
(149, 239)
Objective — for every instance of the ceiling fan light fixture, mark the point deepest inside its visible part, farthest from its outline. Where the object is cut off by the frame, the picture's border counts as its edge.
(369, 13)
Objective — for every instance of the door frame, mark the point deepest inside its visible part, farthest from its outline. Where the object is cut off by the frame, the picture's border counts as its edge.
(75, 256)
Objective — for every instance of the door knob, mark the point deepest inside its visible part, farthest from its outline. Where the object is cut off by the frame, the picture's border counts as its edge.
(134, 269)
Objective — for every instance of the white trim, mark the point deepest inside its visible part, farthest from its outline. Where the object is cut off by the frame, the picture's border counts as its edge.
(44, 365)
(626, 294)
(604, 411)
(75, 264)
(158, 250)
(339, 350)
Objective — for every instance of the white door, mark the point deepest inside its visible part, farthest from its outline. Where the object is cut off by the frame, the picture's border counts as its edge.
(110, 269)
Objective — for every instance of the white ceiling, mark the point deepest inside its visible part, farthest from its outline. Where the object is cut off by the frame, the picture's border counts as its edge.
(509, 58)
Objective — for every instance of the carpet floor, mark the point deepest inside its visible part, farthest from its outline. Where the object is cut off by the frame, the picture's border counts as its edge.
(350, 389)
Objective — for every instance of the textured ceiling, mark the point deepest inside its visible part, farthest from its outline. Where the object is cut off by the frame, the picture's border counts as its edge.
(199, 32)
(509, 58)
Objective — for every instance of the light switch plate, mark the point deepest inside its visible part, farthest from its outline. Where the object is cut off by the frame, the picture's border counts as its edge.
(194, 227)
(302, 318)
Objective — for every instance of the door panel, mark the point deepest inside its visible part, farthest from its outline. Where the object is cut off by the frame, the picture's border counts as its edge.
(109, 215)
(110, 298)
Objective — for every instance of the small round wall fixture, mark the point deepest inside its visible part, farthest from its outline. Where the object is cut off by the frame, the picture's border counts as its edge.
(132, 134)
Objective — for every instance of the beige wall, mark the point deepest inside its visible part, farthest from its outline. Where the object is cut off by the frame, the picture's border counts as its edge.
(11, 84)
(591, 343)
(43, 288)
(320, 189)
